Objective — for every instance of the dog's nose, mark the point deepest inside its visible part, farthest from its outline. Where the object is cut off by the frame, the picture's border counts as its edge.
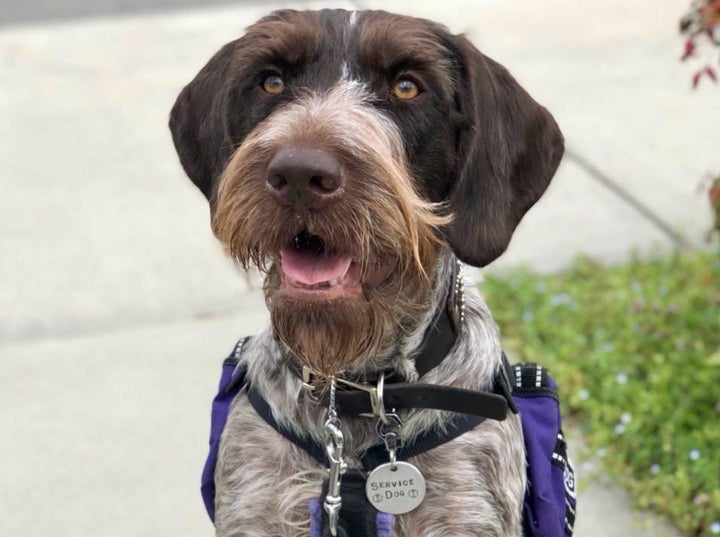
(305, 177)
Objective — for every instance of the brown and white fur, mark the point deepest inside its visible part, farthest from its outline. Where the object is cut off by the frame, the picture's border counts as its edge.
(412, 148)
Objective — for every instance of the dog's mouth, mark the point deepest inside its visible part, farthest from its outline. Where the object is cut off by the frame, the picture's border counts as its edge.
(311, 270)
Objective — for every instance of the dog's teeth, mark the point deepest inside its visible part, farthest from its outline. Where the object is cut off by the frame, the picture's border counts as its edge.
(322, 285)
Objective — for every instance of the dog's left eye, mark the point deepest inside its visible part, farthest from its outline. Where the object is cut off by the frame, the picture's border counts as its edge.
(405, 89)
(273, 85)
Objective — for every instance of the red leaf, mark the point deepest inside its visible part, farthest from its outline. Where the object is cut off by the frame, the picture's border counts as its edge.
(696, 79)
(689, 49)
(707, 70)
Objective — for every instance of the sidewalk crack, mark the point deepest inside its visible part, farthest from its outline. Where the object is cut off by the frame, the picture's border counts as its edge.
(680, 241)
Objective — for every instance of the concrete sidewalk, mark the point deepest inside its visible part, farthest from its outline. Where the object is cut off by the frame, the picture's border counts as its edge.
(116, 305)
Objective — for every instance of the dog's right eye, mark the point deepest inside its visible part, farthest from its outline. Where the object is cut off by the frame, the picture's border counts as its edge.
(273, 85)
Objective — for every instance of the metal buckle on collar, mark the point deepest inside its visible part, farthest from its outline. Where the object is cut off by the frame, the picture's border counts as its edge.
(375, 392)
(376, 397)
(306, 378)
(308, 385)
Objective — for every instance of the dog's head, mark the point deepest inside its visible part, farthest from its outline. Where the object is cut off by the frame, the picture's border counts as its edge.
(340, 151)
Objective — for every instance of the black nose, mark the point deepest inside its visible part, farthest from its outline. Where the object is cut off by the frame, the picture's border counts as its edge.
(305, 177)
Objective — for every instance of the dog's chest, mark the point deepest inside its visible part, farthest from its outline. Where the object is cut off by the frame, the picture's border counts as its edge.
(265, 484)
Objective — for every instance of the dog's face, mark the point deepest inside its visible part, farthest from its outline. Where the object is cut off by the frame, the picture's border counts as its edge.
(339, 151)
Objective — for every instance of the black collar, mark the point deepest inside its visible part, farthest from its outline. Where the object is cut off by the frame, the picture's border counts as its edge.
(469, 413)
(438, 340)
(359, 397)
(440, 337)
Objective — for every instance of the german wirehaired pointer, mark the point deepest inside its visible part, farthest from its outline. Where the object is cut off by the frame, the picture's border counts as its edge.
(354, 157)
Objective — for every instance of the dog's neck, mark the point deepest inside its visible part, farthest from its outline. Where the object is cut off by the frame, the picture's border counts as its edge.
(472, 364)
(439, 327)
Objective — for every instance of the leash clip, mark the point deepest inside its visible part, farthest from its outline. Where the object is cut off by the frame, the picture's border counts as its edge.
(334, 446)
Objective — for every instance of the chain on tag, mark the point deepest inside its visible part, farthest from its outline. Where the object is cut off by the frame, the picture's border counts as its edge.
(395, 491)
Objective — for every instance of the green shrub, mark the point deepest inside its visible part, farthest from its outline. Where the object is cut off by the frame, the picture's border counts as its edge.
(636, 352)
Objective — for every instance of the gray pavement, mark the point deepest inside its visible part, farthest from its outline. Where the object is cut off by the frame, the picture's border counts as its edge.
(116, 305)
(14, 12)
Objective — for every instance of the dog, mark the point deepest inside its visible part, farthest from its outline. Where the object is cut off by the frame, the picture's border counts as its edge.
(354, 157)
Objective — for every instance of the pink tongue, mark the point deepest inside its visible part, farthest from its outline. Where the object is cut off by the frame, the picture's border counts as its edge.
(309, 268)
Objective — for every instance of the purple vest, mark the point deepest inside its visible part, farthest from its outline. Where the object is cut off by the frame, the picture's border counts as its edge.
(549, 507)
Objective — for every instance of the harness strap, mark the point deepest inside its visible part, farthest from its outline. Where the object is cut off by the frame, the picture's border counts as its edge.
(465, 419)
(459, 425)
(262, 407)
(472, 408)
(549, 507)
(220, 410)
(376, 455)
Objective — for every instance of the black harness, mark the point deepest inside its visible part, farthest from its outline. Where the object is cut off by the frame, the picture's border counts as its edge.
(549, 504)
(358, 517)
(472, 409)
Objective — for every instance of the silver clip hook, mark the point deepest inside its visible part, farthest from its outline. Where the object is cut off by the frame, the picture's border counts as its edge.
(389, 433)
(334, 446)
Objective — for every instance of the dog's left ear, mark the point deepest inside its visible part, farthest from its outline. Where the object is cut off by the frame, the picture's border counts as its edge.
(507, 152)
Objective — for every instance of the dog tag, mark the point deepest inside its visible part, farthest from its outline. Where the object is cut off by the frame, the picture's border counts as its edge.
(395, 489)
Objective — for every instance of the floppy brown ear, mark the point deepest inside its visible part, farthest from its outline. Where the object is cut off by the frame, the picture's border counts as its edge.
(198, 122)
(507, 155)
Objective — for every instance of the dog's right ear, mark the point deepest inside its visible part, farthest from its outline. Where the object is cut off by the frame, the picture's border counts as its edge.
(198, 122)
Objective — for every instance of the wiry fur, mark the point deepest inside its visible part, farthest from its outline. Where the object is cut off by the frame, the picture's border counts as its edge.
(475, 483)
(381, 221)
(447, 174)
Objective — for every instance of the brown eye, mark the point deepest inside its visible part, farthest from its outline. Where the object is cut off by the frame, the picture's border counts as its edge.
(405, 89)
(273, 85)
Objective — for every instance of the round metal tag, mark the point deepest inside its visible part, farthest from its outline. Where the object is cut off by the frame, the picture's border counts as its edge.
(395, 491)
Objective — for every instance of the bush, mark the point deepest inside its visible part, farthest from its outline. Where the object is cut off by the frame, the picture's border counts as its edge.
(636, 352)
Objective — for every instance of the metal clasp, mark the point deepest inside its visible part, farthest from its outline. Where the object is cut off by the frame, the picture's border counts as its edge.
(389, 433)
(376, 397)
(307, 384)
(334, 445)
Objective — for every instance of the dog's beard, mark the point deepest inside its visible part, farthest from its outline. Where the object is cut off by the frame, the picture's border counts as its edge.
(330, 336)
